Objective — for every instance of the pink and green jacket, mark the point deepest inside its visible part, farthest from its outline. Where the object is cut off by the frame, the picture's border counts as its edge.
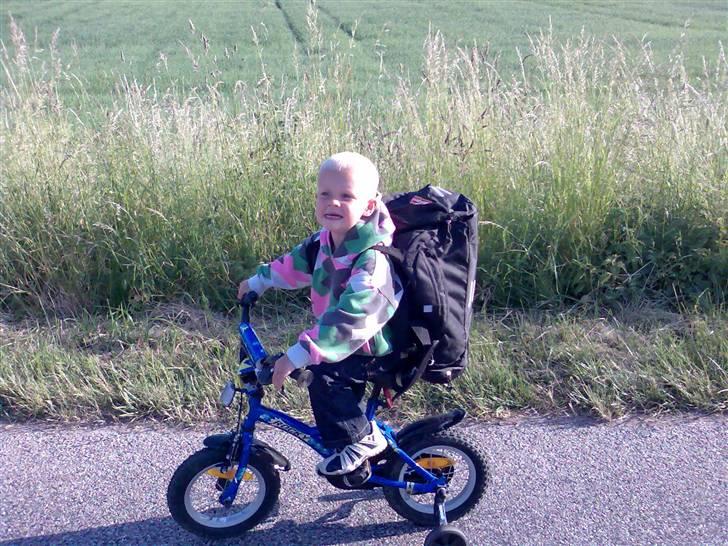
(354, 291)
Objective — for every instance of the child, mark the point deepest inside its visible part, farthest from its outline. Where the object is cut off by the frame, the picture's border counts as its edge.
(354, 292)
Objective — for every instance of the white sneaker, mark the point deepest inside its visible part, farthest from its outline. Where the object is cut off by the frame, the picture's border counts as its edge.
(352, 456)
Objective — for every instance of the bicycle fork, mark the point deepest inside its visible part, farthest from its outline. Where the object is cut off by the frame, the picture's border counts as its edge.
(231, 489)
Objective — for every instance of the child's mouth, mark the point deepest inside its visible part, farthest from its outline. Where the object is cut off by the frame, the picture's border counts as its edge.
(333, 216)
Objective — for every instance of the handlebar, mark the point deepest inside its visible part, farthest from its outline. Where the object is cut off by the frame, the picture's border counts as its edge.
(264, 367)
(247, 302)
(264, 372)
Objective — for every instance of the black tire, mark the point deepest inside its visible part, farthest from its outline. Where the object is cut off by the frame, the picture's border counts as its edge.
(194, 468)
(419, 509)
(447, 535)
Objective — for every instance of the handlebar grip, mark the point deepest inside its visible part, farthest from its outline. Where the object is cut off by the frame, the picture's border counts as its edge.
(264, 372)
(247, 302)
(264, 375)
(264, 369)
(249, 298)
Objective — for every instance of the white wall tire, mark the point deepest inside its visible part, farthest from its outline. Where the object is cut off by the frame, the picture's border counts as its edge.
(192, 495)
(467, 484)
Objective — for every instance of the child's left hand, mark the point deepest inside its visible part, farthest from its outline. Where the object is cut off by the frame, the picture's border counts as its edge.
(282, 369)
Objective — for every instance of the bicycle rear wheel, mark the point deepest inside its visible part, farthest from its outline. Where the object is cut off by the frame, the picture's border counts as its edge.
(451, 454)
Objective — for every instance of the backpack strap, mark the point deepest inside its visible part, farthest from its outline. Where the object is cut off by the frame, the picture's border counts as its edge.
(423, 336)
(404, 382)
(420, 332)
(312, 251)
(390, 251)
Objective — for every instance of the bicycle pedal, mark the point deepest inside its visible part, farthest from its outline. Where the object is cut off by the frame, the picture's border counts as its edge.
(359, 475)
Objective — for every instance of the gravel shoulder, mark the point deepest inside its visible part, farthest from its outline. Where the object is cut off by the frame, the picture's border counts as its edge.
(555, 481)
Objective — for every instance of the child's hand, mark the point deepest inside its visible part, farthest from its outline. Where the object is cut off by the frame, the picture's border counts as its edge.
(243, 289)
(282, 369)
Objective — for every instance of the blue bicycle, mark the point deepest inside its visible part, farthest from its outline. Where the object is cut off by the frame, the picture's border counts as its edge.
(429, 473)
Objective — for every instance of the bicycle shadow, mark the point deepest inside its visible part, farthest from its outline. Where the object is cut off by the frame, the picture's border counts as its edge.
(327, 530)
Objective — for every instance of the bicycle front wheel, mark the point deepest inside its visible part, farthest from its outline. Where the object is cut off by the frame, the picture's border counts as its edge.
(193, 492)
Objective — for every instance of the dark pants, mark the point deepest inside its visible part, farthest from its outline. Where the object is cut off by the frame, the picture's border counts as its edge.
(337, 395)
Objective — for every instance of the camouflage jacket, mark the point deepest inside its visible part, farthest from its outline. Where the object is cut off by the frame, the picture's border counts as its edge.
(354, 291)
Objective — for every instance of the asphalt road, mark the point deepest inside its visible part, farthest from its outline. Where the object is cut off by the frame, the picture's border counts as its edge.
(555, 481)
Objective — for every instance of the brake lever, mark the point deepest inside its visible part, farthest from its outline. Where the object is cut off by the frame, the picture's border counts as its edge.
(264, 369)
(264, 373)
(303, 377)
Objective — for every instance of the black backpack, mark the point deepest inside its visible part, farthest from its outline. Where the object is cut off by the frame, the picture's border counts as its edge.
(435, 253)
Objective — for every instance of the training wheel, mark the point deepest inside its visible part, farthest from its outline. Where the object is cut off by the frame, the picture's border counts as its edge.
(447, 535)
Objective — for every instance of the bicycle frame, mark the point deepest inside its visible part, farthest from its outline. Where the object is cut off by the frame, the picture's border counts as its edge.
(309, 435)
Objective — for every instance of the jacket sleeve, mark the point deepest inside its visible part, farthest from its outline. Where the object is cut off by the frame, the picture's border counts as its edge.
(365, 306)
(289, 272)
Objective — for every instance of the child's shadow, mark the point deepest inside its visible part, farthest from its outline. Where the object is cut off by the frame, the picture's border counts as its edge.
(330, 529)
(344, 509)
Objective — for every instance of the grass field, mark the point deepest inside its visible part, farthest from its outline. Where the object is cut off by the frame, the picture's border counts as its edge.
(170, 363)
(600, 175)
(600, 172)
(155, 40)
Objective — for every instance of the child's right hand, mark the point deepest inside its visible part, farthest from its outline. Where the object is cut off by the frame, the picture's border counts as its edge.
(243, 289)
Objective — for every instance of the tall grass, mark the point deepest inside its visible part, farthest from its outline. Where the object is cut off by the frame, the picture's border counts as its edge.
(600, 176)
(170, 362)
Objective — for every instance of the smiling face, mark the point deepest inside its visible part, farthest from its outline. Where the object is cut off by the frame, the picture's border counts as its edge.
(342, 199)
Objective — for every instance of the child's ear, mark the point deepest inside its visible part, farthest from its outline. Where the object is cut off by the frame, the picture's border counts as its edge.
(371, 205)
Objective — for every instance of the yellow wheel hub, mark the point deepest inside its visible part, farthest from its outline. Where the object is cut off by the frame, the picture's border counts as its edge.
(229, 474)
(429, 462)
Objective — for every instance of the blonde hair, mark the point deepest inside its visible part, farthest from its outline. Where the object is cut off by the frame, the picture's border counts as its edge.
(359, 166)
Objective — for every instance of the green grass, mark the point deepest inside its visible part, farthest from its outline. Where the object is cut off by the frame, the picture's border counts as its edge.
(600, 172)
(171, 362)
(148, 40)
(601, 177)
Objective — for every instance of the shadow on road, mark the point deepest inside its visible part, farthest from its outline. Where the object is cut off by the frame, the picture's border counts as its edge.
(328, 529)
